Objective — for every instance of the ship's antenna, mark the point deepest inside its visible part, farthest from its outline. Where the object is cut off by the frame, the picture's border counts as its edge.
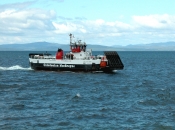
(70, 38)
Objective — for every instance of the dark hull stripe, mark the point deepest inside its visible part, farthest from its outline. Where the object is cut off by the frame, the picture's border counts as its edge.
(39, 66)
(57, 67)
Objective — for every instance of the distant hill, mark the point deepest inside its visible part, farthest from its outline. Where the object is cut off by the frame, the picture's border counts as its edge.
(45, 46)
(36, 46)
(164, 46)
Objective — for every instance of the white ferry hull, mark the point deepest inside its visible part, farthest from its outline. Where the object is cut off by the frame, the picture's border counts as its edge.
(65, 65)
(78, 59)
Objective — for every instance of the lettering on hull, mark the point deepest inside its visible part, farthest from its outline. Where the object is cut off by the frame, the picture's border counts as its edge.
(58, 65)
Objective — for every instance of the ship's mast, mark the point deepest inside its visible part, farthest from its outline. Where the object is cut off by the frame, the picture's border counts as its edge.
(71, 36)
(77, 46)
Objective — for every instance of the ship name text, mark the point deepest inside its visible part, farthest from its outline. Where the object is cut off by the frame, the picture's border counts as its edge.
(58, 65)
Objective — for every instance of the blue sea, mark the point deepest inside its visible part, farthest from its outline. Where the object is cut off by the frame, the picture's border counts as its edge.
(139, 97)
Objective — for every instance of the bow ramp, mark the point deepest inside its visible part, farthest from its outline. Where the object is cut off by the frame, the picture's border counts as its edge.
(114, 60)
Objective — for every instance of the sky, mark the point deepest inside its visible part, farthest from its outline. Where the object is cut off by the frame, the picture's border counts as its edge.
(101, 22)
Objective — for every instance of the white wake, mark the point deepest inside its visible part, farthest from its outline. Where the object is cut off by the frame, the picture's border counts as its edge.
(16, 67)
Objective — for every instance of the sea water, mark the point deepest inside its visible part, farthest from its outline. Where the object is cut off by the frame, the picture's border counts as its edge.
(141, 96)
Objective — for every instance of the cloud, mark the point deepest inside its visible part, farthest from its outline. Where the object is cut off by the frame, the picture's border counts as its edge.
(21, 24)
(64, 28)
(24, 24)
(156, 21)
(26, 19)
(155, 28)
(99, 27)
(20, 5)
(58, 0)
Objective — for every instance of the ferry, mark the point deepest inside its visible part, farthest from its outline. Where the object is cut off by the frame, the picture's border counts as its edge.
(78, 59)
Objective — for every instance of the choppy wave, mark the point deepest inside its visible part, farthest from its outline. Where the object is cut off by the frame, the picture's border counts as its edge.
(15, 67)
(141, 96)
